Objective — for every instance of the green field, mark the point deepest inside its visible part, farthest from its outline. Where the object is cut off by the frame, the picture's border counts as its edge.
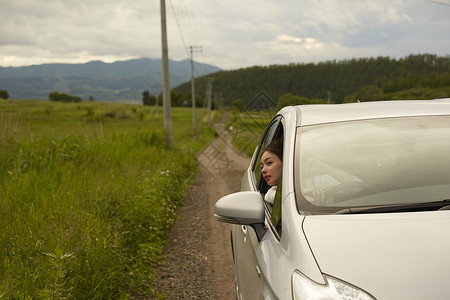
(88, 192)
(247, 127)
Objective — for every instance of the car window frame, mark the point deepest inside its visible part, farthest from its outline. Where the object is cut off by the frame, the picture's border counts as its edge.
(275, 129)
(267, 136)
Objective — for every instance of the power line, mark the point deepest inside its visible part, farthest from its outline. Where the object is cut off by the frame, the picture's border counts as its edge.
(191, 19)
(439, 2)
(179, 28)
(185, 19)
(188, 19)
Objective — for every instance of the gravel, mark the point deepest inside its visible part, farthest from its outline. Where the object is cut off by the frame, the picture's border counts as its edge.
(198, 262)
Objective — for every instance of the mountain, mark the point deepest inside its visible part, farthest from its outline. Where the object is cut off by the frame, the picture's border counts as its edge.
(117, 81)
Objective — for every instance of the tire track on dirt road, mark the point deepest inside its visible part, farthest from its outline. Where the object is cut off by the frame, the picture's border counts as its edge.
(199, 262)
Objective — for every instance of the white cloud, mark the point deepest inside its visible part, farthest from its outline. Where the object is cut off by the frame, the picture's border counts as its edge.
(288, 38)
(233, 33)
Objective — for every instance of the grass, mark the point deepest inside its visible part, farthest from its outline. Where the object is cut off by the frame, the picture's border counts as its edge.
(88, 192)
(247, 127)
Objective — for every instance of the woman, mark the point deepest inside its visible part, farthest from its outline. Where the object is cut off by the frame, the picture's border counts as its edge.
(271, 167)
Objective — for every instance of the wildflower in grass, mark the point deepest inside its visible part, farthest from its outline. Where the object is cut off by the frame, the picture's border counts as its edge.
(93, 173)
(165, 172)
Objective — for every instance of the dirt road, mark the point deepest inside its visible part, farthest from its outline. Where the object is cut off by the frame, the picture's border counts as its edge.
(198, 262)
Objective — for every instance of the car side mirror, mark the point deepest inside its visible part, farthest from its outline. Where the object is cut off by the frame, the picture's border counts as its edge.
(243, 208)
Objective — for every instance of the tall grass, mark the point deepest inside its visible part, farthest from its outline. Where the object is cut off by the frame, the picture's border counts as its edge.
(85, 209)
(247, 127)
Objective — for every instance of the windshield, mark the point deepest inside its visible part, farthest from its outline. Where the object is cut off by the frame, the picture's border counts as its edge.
(372, 162)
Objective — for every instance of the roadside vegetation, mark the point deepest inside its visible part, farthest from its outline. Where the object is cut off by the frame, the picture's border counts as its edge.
(246, 128)
(88, 192)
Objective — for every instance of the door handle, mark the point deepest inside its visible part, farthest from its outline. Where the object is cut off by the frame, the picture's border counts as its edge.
(258, 271)
(244, 230)
(244, 233)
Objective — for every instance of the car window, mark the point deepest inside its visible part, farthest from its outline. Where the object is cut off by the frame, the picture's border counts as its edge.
(373, 162)
(273, 212)
(265, 140)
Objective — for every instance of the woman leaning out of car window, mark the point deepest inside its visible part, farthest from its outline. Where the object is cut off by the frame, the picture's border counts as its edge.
(271, 166)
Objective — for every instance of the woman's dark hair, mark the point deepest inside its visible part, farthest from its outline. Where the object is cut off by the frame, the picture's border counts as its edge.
(276, 147)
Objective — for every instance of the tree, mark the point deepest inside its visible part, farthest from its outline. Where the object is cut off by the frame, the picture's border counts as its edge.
(318, 101)
(290, 99)
(4, 94)
(55, 96)
(238, 104)
(146, 98)
(369, 93)
(178, 99)
(340, 78)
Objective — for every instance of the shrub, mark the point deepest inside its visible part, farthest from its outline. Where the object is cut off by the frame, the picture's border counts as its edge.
(4, 94)
(55, 96)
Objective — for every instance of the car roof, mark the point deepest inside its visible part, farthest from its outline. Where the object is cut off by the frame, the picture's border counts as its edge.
(330, 113)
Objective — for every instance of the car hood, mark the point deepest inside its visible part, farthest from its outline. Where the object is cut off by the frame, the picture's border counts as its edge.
(391, 256)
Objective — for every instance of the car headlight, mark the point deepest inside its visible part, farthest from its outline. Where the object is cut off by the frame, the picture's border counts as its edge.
(305, 289)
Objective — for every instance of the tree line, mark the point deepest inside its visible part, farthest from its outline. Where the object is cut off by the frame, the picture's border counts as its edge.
(176, 99)
(423, 76)
(63, 97)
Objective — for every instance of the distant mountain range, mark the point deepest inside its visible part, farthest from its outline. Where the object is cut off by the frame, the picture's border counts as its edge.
(118, 81)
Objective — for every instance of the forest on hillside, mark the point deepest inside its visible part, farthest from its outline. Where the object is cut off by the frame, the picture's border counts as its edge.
(422, 76)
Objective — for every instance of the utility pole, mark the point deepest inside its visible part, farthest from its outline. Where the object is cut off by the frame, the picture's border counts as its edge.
(156, 99)
(209, 96)
(166, 82)
(194, 121)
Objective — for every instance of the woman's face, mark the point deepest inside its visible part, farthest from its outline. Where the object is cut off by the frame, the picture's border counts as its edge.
(271, 166)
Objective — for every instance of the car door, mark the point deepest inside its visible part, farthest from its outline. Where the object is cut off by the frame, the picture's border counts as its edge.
(245, 240)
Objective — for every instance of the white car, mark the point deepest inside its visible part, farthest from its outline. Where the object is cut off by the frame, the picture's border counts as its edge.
(384, 234)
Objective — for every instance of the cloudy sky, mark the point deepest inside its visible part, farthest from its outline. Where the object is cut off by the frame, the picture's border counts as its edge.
(232, 33)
